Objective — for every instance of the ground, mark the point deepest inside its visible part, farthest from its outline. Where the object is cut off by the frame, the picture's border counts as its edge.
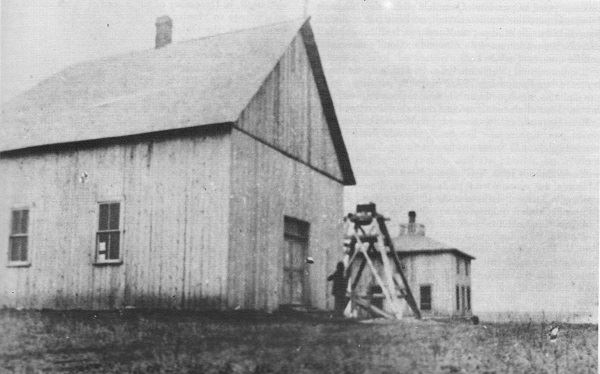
(242, 342)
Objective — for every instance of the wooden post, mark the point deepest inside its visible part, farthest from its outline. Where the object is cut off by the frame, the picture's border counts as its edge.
(373, 309)
(388, 241)
(358, 274)
(378, 279)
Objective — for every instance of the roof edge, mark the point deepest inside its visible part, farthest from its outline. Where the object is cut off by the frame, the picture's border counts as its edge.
(213, 128)
(327, 103)
(436, 251)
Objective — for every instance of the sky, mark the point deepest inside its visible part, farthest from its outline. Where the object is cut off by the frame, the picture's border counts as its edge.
(483, 118)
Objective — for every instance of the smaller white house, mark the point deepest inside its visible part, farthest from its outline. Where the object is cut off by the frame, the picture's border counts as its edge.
(438, 275)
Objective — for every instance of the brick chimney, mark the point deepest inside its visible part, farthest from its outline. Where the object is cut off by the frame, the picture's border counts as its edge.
(412, 217)
(164, 30)
(412, 227)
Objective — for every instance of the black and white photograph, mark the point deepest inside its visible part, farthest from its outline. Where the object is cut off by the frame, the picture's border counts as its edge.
(309, 186)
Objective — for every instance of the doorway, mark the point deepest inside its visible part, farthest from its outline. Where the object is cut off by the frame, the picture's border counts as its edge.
(295, 272)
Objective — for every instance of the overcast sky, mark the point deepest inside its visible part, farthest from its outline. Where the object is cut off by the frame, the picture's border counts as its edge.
(482, 118)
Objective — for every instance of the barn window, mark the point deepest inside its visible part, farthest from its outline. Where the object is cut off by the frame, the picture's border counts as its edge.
(425, 294)
(457, 297)
(108, 237)
(18, 240)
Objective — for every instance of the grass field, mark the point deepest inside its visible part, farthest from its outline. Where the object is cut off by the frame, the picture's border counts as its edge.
(154, 342)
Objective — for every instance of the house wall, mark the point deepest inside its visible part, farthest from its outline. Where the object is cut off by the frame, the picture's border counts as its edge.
(266, 186)
(438, 271)
(174, 208)
(462, 280)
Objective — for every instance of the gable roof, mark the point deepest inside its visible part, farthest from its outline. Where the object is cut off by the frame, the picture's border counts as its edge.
(421, 244)
(195, 83)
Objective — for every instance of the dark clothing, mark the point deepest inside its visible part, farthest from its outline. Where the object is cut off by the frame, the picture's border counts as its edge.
(338, 290)
(340, 304)
(340, 283)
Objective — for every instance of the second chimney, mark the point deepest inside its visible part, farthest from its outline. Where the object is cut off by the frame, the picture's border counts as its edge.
(412, 216)
(411, 221)
(164, 30)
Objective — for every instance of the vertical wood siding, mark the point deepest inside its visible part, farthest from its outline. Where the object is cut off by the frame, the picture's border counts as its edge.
(285, 115)
(286, 112)
(174, 198)
(266, 186)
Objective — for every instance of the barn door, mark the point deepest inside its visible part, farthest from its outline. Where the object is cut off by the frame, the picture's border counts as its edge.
(295, 280)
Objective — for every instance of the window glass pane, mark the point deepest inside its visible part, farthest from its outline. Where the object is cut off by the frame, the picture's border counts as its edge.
(103, 219)
(113, 251)
(425, 293)
(18, 249)
(295, 227)
(103, 244)
(23, 248)
(19, 221)
(14, 249)
(469, 298)
(24, 221)
(114, 217)
(15, 222)
(457, 298)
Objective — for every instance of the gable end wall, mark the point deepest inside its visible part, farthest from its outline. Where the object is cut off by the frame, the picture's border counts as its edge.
(286, 113)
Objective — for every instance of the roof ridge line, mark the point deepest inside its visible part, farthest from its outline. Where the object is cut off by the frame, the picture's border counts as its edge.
(234, 31)
(138, 51)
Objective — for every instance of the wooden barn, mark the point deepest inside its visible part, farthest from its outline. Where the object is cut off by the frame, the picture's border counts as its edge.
(439, 275)
(198, 174)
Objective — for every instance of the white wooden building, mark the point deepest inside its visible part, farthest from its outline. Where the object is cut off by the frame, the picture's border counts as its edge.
(198, 174)
(438, 275)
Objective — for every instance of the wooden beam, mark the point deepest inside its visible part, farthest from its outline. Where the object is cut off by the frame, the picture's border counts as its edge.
(378, 279)
(388, 241)
(358, 274)
(373, 309)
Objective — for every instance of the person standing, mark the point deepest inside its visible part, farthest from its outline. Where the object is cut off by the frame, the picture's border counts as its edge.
(338, 289)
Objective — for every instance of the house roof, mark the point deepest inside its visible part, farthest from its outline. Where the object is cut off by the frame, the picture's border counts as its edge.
(421, 244)
(194, 83)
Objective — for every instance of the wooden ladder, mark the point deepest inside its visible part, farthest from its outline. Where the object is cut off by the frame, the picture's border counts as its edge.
(373, 247)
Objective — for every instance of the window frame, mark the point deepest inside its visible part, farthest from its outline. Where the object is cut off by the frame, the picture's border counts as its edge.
(19, 263)
(98, 232)
(421, 286)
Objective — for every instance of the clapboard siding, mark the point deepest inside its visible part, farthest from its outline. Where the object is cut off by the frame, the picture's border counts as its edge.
(266, 186)
(174, 196)
(286, 113)
(437, 271)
